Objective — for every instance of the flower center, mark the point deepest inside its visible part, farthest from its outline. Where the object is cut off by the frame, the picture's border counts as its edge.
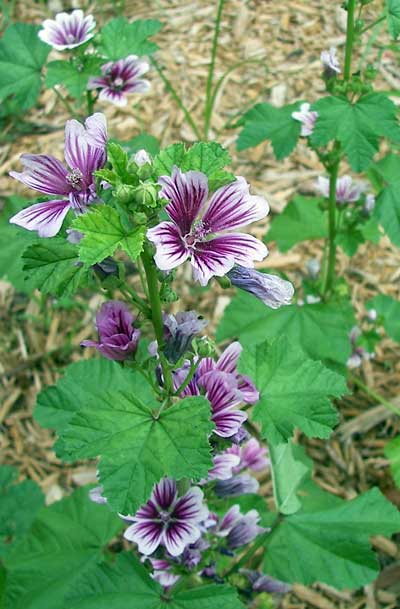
(74, 179)
(164, 515)
(70, 38)
(198, 232)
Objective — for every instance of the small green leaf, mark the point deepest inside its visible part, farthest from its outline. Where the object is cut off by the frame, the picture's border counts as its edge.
(320, 330)
(19, 503)
(168, 157)
(73, 75)
(104, 233)
(137, 445)
(119, 38)
(127, 584)
(22, 56)
(266, 122)
(301, 220)
(143, 141)
(52, 265)
(66, 540)
(13, 241)
(330, 544)
(358, 126)
(294, 391)
(389, 309)
(118, 158)
(393, 17)
(392, 452)
(289, 467)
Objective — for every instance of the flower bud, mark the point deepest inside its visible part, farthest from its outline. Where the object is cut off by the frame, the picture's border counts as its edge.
(125, 193)
(204, 346)
(180, 330)
(146, 194)
(272, 290)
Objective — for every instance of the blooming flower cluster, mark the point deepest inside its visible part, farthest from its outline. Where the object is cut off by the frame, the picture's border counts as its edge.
(120, 78)
(67, 30)
(84, 152)
(347, 191)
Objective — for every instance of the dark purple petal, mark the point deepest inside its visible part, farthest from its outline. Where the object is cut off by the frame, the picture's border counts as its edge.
(165, 493)
(148, 511)
(46, 217)
(171, 250)
(190, 507)
(232, 206)
(147, 534)
(250, 393)
(80, 154)
(228, 521)
(228, 360)
(43, 173)
(178, 535)
(187, 193)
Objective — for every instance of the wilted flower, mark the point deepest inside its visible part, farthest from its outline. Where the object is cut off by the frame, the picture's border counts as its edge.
(252, 455)
(168, 520)
(265, 583)
(180, 329)
(236, 486)
(68, 30)
(307, 118)
(244, 530)
(118, 338)
(330, 62)
(76, 186)
(120, 78)
(224, 466)
(272, 290)
(198, 231)
(347, 191)
(369, 204)
(359, 353)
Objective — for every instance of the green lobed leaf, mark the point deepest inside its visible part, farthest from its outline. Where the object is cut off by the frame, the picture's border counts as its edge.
(294, 391)
(64, 542)
(119, 38)
(73, 75)
(13, 241)
(266, 122)
(320, 330)
(358, 126)
(127, 584)
(168, 157)
(52, 266)
(301, 220)
(330, 544)
(387, 209)
(392, 452)
(19, 504)
(56, 405)
(104, 233)
(393, 17)
(22, 56)
(289, 467)
(138, 444)
(118, 158)
(389, 309)
(143, 141)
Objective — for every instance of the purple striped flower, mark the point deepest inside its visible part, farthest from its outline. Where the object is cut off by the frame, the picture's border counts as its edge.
(307, 119)
(85, 152)
(244, 530)
(224, 466)
(120, 78)
(252, 455)
(118, 338)
(67, 30)
(221, 391)
(168, 520)
(201, 231)
(270, 289)
(347, 191)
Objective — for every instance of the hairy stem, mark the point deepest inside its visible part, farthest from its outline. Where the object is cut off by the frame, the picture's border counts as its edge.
(330, 271)
(351, 4)
(376, 396)
(64, 102)
(209, 96)
(171, 89)
(156, 315)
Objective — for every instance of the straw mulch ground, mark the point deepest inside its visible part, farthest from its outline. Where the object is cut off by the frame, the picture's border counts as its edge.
(288, 37)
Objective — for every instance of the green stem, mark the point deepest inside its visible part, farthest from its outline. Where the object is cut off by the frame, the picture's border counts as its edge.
(330, 272)
(64, 102)
(193, 367)
(260, 541)
(373, 394)
(170, 88)
(209, 97)
(156, 315)
(90, 102)
(349, 38)
(373, 24)
(139, 302)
